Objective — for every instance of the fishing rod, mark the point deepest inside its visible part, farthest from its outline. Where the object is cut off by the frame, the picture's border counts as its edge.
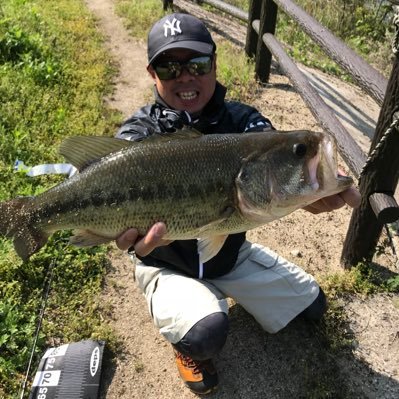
(46, 290)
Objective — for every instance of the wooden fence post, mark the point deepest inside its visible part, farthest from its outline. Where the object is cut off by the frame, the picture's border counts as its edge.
(167, 4)
(267, 24)
(381, 176)
(252, 37)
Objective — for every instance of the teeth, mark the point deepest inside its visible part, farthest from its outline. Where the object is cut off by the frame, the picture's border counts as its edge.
(188, 95)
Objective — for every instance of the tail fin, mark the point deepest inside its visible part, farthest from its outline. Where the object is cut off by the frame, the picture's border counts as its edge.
(15, 222)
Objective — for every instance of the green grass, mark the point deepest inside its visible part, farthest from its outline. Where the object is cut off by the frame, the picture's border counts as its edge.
(236, 72)
(54, 73)
(362, 279)
(140, 15)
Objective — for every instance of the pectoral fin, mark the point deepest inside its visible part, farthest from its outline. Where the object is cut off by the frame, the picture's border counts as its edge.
(209, 247)
(86, 238)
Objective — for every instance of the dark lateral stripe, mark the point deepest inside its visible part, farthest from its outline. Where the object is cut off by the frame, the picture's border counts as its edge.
(159, 192)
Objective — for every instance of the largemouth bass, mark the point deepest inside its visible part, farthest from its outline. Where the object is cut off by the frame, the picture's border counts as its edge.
(200, 186)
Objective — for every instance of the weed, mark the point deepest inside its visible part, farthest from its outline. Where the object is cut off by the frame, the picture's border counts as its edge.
(139, 366)
(392, 284)
(363, 279)
(236, 72)
(28, 52)
(139, 16)
(17, 330)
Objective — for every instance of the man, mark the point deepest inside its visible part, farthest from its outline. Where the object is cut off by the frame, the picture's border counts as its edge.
(187, 300)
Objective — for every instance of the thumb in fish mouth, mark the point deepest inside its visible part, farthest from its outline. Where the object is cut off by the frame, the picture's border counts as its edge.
(350, 196)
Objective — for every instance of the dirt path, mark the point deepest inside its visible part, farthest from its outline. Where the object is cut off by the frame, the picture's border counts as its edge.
(129, 56)
(254, 364)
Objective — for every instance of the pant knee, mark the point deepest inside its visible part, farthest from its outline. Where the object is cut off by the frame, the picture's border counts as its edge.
(317, 308)
(206, 338)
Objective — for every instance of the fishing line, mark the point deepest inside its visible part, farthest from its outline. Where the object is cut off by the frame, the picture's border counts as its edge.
(46, 290)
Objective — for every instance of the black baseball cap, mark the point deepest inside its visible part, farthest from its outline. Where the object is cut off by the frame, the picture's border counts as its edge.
(179, 31)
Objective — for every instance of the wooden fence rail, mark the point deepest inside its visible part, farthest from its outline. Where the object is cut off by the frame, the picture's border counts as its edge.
(347, 146)
(369, 79)
(378, 185)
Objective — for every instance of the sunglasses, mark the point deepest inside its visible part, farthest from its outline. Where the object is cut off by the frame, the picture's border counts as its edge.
(197, 66)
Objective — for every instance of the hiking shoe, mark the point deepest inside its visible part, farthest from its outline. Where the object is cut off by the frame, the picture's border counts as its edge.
(198, 375)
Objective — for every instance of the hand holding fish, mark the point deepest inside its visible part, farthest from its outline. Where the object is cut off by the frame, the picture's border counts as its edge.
(144, 245)
(351, 196)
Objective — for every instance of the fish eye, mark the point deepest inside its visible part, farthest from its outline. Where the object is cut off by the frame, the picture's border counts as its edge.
(299, 149)
(244, 176)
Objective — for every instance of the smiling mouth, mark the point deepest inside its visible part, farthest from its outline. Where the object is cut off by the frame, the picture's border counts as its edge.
(187, 95)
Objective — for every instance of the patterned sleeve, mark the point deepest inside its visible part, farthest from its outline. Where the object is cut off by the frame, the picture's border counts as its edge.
(256, 122)
(245, 118)
(139, 126)
(132, 130)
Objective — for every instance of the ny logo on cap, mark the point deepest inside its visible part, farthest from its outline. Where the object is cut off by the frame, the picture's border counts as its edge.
(173, 26)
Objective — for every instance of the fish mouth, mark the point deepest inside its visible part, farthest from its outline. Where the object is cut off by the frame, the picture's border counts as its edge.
(327, 173)
(330, 155)
(313, 168)
(344, 181)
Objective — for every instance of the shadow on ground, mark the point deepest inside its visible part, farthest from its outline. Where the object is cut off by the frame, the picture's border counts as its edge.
(295, 363)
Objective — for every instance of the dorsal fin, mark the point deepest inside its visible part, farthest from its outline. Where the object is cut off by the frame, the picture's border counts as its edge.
(81, 151)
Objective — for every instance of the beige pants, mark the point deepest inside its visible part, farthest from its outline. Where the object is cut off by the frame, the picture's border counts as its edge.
(270, 288)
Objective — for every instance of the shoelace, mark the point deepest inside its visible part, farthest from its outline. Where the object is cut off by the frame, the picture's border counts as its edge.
(190, 363)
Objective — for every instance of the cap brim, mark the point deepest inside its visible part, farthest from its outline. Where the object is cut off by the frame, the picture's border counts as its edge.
(200, 47)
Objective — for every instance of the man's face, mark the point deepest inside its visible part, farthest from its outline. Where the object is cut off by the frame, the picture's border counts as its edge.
(187, 92)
